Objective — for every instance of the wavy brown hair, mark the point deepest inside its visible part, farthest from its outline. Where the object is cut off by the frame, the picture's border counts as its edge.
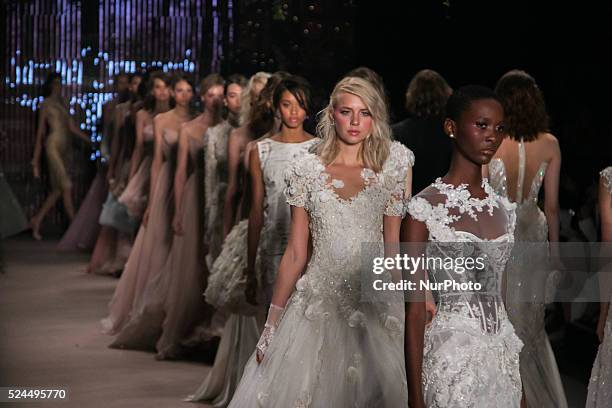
(524, 105)
(427, 95)
(261, 116)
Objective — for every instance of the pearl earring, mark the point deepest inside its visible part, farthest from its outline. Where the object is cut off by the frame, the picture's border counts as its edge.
(452, 135)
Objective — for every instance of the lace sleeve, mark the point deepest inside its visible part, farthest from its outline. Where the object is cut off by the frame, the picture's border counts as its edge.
(606, 176)
(397, 172)
(296, 186)
(419, 209)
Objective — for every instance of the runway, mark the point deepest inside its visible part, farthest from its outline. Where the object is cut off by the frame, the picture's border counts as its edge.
(50, 336)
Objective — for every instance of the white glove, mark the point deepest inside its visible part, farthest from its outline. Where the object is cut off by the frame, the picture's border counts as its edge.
(274, 316)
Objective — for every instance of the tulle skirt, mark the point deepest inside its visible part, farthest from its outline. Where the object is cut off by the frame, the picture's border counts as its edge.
(147, 258)
(84, 229)
(464, 366)
(135, 195)
(320, 357)
(227, 283)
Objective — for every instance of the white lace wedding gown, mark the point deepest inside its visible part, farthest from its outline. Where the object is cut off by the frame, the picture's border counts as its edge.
(471, 353)
(275, 158)
(539, 371)
(600, 384)
(330, 349)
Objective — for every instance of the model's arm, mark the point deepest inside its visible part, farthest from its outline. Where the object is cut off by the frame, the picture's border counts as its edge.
(77, 131)
(551, 194)
(138, 146)
(291, 266)
(180, 176)
(233, 158)
(255, 219)
(40, 134)
(415, 234)
(115, 144)
(158, 160)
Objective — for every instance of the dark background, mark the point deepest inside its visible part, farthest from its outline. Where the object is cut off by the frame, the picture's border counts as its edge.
(564, 45)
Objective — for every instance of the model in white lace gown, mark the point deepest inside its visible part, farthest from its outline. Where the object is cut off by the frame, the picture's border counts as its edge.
(468, 356)
(331, 350)
(539, 371)
(600, 384)
(471, 352)
(275, 158)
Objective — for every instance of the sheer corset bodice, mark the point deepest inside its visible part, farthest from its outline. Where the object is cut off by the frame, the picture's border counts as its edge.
(462, 227)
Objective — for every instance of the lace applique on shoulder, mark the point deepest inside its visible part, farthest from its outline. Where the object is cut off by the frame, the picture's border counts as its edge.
(438, 218)
(606, 175)
(394, 173)
(299, 177)
(459, 197)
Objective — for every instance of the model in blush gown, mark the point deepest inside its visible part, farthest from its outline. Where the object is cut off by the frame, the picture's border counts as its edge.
(152, 243)
(134, 197)
(84, 229)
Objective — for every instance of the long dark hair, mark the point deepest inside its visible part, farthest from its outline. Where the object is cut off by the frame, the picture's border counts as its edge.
(524, 105)
(427, 94)
(261, 118)
(183, 76)
(149, 99)
(52, 76)
(298, 87)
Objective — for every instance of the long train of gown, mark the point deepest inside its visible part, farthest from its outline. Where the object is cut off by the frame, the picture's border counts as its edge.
(600, 383)
(471, 353)
(172, 303)
(225, 291)
(152, 245)
(539, 372)
(330, 348)
(84, 229)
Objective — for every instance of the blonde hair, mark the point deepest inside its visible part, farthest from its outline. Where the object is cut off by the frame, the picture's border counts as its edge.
(246, 96)
(375, 148)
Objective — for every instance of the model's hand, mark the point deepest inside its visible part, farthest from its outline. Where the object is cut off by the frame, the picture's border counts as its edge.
(264, 342)
(145, 217)
(36, 168)
(251, 287)
(177, 224)
(275, 314)
(601, 326)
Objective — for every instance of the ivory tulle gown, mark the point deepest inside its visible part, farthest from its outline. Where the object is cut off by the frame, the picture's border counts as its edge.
(330, 349)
